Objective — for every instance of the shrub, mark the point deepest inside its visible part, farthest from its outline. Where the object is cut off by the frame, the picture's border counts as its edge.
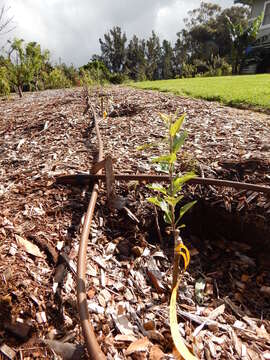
(118, 78)
(215, 66)
(4, 82)
(226, 68)
(188, 70)
(57, 80)
(98, 71)
(85, 78)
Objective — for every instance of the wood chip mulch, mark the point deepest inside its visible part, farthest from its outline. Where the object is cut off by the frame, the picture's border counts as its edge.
(224, 298)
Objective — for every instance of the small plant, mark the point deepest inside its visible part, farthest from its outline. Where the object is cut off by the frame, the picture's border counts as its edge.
(169, 197)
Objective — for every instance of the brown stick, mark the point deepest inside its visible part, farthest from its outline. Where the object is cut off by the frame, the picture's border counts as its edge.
(109, 179)
(157, 226)
(84, 179)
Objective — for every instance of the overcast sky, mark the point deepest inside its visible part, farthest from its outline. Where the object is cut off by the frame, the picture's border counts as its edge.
(70, 29)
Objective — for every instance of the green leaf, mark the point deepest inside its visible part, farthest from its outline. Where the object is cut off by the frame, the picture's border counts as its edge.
(164, 207)
(179, 181)
(154, 200)
(165, 118)
(184, 209)
(160, 203)
(179, 140)
(169, 159)
(157, 187)
(168, 217)
(175, 127)
(172, 200)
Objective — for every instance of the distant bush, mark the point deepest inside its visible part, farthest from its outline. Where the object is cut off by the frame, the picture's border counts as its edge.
(118, 78)
(216, 66)
(57, 80)
(85, 78)
(226, 69)
(187, 70)
(70, 73)
(4, 81)
(98, 71)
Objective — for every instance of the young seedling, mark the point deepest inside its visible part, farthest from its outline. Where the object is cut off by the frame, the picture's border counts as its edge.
(169, 197)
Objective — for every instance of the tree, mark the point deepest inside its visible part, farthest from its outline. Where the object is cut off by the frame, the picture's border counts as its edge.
(200, 35)
(25, 64)
(167, 56)
(182, 51)
(153, 57)
(207, 32)
(113, 52)
(36, 61)
(237, 15)
(241, 38)
(206, 13)
(135, 59)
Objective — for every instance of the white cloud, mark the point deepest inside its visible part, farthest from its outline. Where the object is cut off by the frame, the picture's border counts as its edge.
(71, 29)
(169, 19)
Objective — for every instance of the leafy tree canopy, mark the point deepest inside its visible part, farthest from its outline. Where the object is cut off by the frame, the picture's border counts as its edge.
(113, 49)
(25, 63)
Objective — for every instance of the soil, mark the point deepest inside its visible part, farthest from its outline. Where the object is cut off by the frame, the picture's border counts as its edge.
(45, 135)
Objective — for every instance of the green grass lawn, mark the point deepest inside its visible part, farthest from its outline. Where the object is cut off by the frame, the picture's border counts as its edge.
(240, 91)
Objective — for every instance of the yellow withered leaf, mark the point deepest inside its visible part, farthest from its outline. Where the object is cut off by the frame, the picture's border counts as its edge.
(177, 339)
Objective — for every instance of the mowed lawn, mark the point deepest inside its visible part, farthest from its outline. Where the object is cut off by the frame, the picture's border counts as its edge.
(241, 91)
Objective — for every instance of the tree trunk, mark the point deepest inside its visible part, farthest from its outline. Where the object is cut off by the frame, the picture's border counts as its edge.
(20, 91)
(236, 65)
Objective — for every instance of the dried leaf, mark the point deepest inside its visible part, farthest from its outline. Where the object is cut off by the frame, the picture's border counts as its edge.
(125, 338)
(156, 353)
(141, 345)
(123, 325)
(28, 246)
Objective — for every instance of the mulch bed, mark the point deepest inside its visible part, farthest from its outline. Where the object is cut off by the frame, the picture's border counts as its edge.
(224, 298)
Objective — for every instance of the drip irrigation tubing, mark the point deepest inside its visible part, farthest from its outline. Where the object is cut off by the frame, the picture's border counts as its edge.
(93, 347)
(85, 179)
